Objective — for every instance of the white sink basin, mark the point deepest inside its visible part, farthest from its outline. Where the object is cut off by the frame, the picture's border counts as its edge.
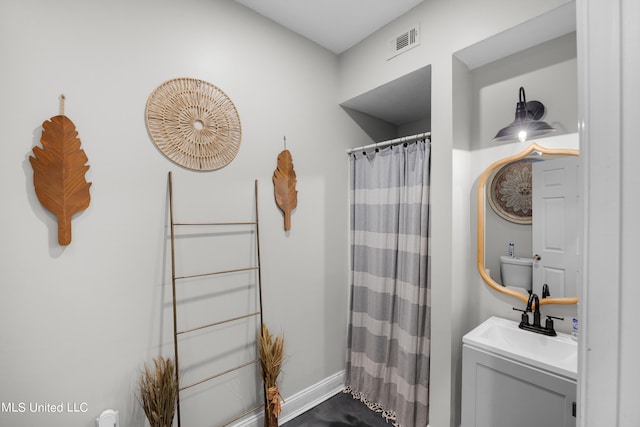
(558, 355)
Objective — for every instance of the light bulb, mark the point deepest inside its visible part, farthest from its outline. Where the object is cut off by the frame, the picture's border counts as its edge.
(522, 135)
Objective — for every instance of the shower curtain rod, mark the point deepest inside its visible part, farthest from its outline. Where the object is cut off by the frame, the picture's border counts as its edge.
(392, 142)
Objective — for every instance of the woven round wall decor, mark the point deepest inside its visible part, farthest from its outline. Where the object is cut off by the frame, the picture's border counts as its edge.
(194, 124)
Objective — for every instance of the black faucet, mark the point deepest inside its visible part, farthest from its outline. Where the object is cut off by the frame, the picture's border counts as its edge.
(534, 304)
(545, 291)
(533, 298)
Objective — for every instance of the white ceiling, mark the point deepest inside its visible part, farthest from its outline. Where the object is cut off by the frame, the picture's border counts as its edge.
(335, 24)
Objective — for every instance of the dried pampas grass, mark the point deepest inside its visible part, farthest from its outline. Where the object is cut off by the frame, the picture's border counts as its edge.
(271, 352)
(159, 392)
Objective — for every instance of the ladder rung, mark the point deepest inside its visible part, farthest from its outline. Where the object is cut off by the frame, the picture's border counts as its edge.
(217, 223)
(217, 323)
(243, 414)
(217, 272)
(228, 371)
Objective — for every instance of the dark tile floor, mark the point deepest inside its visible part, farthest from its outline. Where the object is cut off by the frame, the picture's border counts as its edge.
(341, 410)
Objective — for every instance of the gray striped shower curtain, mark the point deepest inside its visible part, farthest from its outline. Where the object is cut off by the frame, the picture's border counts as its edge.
(390, 317)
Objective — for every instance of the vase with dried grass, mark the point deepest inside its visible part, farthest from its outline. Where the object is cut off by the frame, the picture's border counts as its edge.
(271, 352)
(159, 392)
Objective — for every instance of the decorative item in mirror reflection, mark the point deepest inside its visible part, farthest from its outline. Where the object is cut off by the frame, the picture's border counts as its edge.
(510, 192)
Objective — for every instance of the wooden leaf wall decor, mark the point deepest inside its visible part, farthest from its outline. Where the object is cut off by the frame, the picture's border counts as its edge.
(58, 173)
(284, 183)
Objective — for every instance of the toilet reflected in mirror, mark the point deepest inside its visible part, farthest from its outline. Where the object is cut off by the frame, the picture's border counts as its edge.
(516, 273)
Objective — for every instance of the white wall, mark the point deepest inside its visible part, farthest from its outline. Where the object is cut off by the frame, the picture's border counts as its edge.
(79, 321)
(609, 374)
(447, 27)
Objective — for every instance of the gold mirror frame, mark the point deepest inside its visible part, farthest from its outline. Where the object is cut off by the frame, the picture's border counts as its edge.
(482, 193)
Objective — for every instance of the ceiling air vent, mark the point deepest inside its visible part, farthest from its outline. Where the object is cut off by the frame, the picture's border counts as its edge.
(405, 41)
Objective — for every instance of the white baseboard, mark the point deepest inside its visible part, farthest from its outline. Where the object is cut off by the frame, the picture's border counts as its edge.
(301, 401)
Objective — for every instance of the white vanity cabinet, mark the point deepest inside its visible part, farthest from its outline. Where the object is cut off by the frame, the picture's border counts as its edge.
(500, 389)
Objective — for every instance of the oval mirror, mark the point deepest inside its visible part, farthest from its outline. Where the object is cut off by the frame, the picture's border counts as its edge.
(532, 197)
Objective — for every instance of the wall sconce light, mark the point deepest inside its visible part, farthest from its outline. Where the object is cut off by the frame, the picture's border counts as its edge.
(527, 123)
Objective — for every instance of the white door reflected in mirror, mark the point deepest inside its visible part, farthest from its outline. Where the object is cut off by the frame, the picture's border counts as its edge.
(555, 226)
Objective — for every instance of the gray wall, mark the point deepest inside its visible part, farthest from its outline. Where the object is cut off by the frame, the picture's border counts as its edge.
(79, 321)
(65, 343)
